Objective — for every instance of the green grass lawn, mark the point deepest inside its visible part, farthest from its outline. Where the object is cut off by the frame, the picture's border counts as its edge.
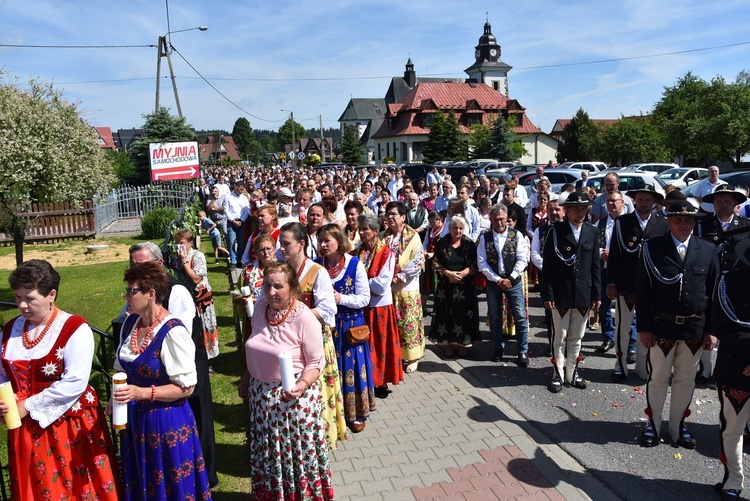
(95, 292)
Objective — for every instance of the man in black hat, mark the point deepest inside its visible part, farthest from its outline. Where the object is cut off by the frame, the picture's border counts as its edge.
(731, 321)
(630, 231)
(673, 285)
(725, 199)
(569, 286)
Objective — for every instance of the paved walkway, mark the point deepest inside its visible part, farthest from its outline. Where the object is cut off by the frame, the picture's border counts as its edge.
(441, 436)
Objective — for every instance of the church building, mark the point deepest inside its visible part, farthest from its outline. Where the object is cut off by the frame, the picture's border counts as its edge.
(398, 126)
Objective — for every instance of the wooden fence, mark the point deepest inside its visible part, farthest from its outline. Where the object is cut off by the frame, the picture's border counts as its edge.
(51, 222)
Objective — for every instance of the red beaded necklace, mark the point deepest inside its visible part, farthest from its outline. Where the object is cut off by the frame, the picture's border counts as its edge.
(283, 317)
(333, 271)
(29, 343)
(134, 346)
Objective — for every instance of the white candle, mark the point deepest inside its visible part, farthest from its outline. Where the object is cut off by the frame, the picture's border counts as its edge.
(12, 418)
(250, 306)
(286, 367)
(119, 411)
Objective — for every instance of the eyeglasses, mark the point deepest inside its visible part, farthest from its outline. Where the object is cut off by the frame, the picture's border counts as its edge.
(129, 291)
(266, 249)
(392, 214)
(613, 200)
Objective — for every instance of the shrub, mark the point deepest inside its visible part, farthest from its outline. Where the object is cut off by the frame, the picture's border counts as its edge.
(155, 223)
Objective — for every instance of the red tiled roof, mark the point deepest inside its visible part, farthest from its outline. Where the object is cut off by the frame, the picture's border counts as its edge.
(107, 141)
(563, 122)
(460, 97)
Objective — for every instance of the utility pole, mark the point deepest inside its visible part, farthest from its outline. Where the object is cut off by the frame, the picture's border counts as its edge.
(163, 51)
(294, 153)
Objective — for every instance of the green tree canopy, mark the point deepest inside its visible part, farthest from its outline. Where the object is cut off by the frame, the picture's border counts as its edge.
(632, 140)
(47, 153)
(351, 150)
(285, 134)
(480, 141)
(501, 140)
(160, 127)
(580, 140)
(444, 141)
(243, 137)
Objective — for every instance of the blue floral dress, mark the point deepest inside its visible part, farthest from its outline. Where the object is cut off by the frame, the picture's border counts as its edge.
(161, 450)
(355, 365)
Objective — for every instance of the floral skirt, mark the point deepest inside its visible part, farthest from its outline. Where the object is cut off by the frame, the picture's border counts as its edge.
(330, 390)
(385, 345)
(355, 368)
(210, 330)
(455, 316)
(409, 313)
(72, 457)
(288, 450)
(161, 453)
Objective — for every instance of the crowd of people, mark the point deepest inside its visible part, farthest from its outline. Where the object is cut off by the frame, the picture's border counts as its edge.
(337, 268)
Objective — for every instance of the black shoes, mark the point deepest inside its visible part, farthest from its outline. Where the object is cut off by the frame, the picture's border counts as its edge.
(631, 357)
(497, 355)
(686, 440)
(523, 360)
(555, 385)
(701, 379)
(382, 391)
(577, 382)
(606, 346)
(648, 437)
(618, 376)
(727, 495)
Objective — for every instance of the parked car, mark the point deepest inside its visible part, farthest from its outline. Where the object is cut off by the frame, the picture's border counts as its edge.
(594, 167)
(650, 167)
(504, 177)
(520, 169)
(457, 171)
(735, 178)
(557, 178)
(416, 171)
(681, 177)
(478, 161)
(331, 165)
(631, 180)
(497, 166)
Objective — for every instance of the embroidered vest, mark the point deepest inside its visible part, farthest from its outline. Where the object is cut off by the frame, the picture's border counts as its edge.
(508, 252)
(306, 285)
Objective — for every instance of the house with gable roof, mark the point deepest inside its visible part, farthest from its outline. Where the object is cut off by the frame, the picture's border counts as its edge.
(412, 101)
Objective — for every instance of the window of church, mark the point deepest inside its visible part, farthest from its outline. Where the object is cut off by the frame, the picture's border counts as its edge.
(496, 85)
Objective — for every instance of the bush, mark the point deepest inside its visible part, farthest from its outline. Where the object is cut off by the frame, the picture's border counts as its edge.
(155, 223)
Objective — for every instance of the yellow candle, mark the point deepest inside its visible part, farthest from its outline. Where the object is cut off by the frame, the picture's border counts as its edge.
(12, 419)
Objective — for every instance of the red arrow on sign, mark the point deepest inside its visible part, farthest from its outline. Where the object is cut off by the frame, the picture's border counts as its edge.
(174, 174)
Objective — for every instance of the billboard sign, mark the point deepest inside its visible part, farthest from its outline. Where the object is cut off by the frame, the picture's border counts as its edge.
(172, 161)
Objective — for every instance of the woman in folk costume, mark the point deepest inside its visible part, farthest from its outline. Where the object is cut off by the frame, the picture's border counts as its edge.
(352, 294)
(62, 449)
(407, 246)
(318, 295)
(380, 315)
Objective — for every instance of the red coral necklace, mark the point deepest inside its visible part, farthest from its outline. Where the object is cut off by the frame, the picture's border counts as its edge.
(333, 271)
(283, 317)
(136, 348)
(29, 343)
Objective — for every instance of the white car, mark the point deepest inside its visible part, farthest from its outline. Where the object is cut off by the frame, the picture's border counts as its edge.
(632, 180)
(649, 167)
(681, 177)
(592, 166)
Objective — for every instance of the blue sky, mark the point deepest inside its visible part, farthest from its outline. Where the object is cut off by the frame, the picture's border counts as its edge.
(311, 57)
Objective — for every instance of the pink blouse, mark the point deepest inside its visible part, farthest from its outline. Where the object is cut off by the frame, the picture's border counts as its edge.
(300, 334)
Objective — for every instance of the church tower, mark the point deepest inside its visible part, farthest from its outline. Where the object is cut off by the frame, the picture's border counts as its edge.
(488, 68)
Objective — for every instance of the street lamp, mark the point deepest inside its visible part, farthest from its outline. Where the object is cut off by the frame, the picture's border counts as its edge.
(163, 49)
(294, 154)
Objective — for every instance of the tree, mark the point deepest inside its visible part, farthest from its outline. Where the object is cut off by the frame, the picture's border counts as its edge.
(351, 150)
(501, 140)
(47, 154)
(580, 139)
(479, 139)
(312, 160)
(633, 140)
(445, 141)
(122, 165)
(285, 134)
(160, 127)
(725, 118)
(242, 134)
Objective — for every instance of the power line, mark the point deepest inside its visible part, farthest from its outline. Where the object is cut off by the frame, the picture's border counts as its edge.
(23, 46)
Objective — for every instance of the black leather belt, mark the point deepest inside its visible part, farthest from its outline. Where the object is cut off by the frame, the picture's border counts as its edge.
(677, 319)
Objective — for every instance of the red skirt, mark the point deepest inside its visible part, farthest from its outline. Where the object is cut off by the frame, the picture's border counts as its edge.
(385, 345)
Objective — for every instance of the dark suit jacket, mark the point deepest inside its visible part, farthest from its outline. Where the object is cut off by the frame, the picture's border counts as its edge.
(711, 230)
(575, 286)
(520, 215)
(625, 247)
(691, 295)
(589, 182)
(734, 348)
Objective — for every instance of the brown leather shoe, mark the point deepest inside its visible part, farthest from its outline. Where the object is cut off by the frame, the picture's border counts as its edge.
(357, 427)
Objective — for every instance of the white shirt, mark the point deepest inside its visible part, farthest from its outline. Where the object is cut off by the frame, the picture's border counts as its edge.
(381, 293)
(435, 178)
(394, 186)
(706, 188)
(576, 231)
(177, 353)
(50, 404)
(536, 250)
(236, 206)
(681, 246)
(361, 296)
(473, 221)
(644, 222)
(224, 189)
(498, 239)
(521, 196)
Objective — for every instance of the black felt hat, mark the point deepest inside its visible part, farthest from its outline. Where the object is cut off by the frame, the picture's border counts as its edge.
(577, 199)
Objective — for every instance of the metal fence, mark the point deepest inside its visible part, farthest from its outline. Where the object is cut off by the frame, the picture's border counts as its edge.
(133, 202)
